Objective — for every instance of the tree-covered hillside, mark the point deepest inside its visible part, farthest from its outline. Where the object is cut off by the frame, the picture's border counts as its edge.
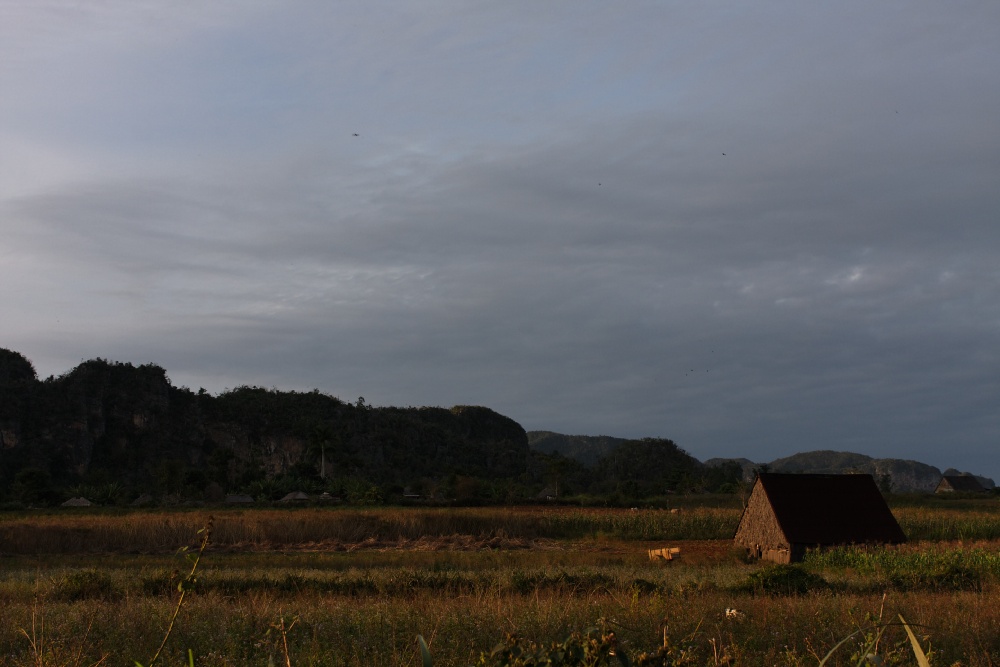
(111, 431)
(587, 449)
(607, 466)
(115, 429)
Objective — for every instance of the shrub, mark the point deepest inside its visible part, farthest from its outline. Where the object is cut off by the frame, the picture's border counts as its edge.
(592, 648)
(86, 585)
(950, 577)
(783, 580)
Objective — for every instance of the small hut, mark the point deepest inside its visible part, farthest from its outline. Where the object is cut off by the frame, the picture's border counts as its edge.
(77, 502)
(790, 513)
(548, 493)
(295, 497)
(959, 484)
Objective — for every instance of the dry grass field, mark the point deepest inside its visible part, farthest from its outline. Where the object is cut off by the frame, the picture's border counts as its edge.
(339, 586)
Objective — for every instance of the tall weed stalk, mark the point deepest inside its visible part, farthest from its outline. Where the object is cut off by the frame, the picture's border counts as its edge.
(185, 586)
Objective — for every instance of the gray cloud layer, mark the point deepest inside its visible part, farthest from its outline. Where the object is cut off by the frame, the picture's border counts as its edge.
(754, 231)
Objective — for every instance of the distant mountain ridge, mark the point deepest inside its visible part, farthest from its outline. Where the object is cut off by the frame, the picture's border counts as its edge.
(899, 475)
(116, 430)
(902, 476)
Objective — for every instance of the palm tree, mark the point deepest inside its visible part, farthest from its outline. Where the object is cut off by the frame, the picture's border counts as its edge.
(322, 436)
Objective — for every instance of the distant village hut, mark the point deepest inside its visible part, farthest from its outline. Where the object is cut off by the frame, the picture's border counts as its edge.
(790, 513)
(77, 502)
(959, 484)
(548, 493)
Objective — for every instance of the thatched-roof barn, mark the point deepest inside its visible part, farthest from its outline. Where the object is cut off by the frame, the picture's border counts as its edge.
(787, 514)
(296, 497)
(959, 484)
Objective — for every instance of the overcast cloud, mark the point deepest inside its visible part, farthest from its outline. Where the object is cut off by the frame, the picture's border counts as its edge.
(753, 229)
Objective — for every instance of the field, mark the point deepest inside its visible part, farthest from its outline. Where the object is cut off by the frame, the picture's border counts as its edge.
(310, 586)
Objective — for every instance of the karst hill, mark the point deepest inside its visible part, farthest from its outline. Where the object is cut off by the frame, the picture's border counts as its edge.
(105, 422)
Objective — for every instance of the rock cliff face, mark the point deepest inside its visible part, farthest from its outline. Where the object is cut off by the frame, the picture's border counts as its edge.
(105, 421)
(908, 476)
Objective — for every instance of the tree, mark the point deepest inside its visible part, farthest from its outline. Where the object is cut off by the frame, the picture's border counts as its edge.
(32, 485)
(884, 482)
(559, 469)
(321, 437)
(15, 367)
(219, 466)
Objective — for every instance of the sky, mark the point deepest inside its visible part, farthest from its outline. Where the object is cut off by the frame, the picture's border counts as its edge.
(753, 228)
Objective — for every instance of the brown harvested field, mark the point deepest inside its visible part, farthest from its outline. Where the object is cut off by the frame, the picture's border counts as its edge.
(360, 584)
(267, 529)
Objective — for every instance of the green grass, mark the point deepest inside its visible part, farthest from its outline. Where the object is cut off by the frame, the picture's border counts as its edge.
(951, 522)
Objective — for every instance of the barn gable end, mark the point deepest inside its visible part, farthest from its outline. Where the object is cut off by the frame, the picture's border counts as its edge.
(759, 530)
(788, 514)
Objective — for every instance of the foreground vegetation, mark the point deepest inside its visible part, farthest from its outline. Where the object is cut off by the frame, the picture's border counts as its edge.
(347, 587)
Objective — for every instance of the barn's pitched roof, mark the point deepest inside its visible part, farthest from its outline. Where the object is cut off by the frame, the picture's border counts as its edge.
(961, 483)
(830, 509)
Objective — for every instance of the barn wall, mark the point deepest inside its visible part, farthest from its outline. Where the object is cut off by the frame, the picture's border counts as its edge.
(783, 556)
(758, 529)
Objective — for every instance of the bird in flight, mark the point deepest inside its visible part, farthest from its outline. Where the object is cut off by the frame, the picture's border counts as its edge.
(355, 135)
